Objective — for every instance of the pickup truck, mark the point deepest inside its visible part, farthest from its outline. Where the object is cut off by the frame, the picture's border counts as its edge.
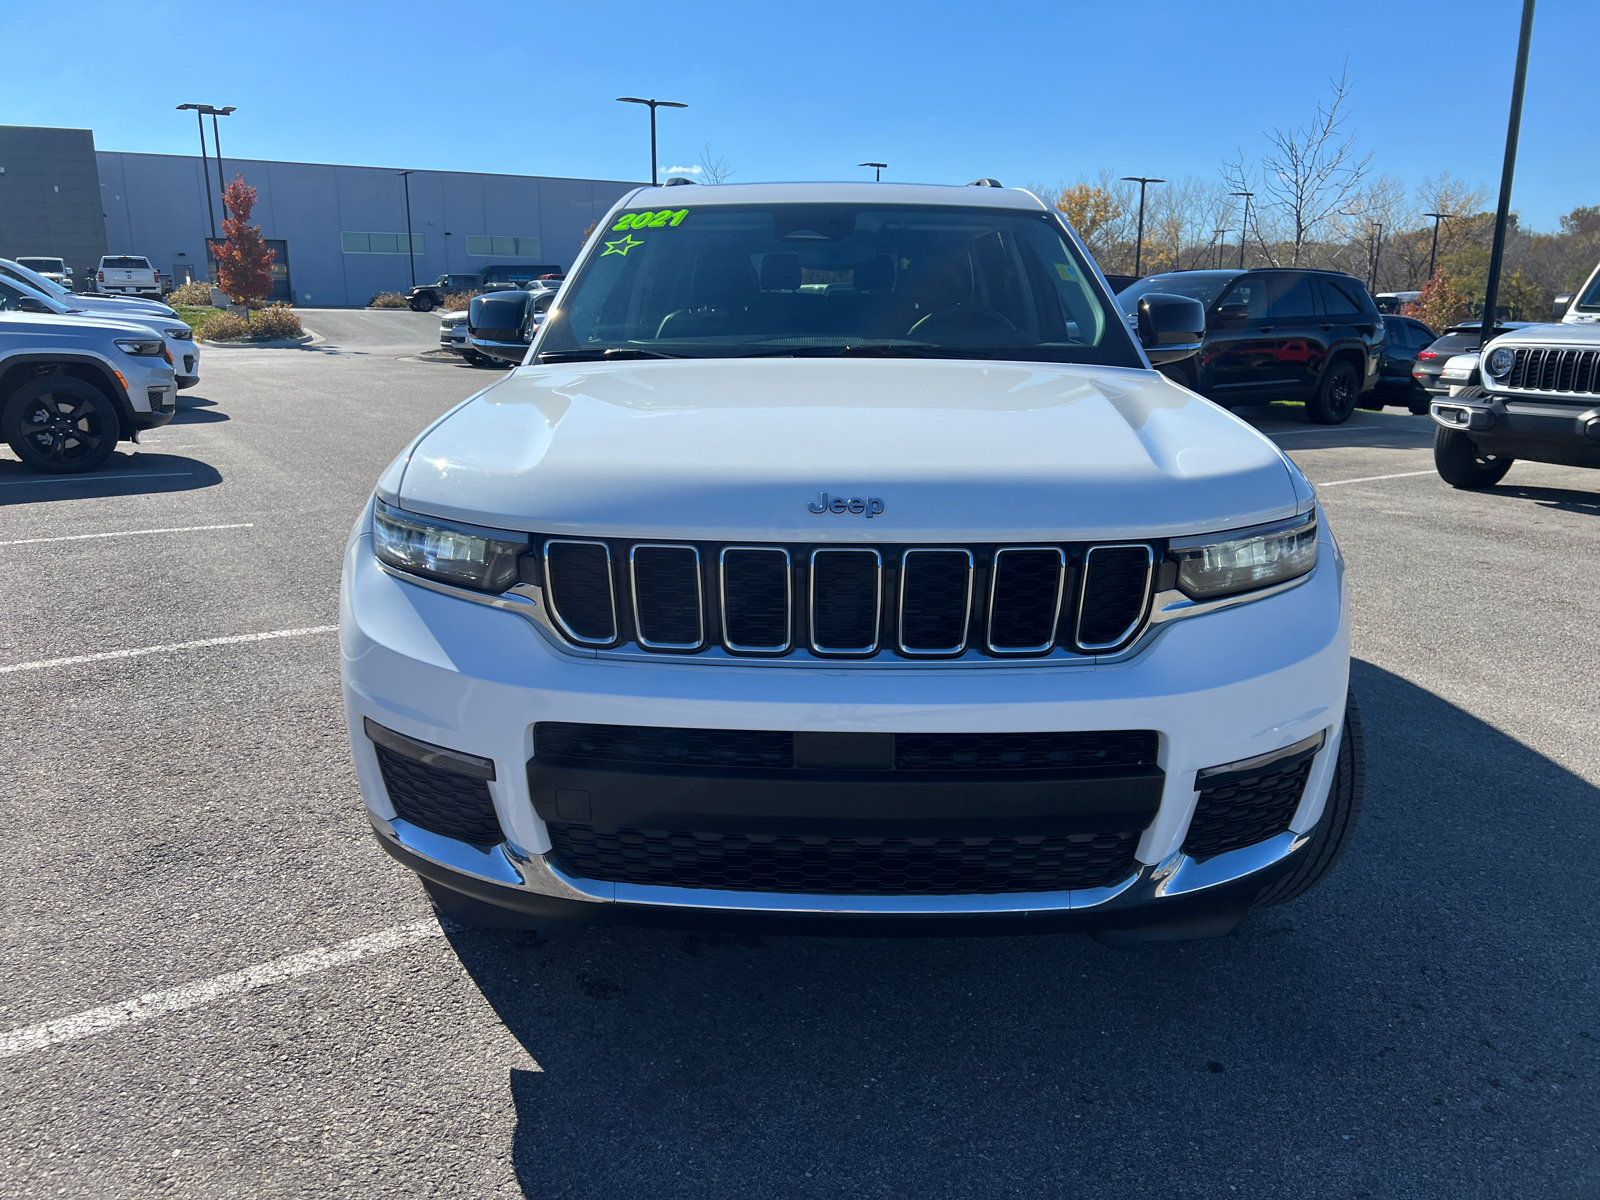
(127, 274)
(52, 269)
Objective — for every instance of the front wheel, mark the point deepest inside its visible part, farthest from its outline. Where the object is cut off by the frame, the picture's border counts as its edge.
(1340, 815)
(1462, 465)
(1336, 396)
(60, 425)
(422, 304)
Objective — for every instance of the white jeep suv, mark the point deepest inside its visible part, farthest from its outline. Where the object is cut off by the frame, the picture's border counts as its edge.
(912, 601)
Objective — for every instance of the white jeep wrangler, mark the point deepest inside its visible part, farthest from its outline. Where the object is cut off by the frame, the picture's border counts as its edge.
(1532, 393)
(837, 560)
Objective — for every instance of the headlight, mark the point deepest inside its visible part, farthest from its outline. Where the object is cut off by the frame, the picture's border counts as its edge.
(1245, 559)
(1500, 362)
(141, 347)
(484, 559)
(181, 333)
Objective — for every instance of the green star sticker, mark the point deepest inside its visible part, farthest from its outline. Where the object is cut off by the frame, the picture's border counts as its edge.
(622, 245)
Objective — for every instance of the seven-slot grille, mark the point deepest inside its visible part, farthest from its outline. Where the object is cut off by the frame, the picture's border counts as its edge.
(1555, 370)
(849, 601)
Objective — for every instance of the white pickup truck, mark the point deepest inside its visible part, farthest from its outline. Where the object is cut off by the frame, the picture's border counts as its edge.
(127, 274)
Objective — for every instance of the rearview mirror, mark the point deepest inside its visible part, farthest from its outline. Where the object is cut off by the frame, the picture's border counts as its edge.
(1171, 328)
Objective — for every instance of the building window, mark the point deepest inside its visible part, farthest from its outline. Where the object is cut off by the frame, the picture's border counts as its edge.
(482, 245)
(379, 243)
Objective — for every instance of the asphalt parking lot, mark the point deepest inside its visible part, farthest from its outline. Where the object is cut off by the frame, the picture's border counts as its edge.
(183, 826)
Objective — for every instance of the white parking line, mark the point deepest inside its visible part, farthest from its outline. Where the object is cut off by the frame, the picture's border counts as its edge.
(216, 641)
(1375, 478)
(80, 537)
(91, 478)
(205, 991)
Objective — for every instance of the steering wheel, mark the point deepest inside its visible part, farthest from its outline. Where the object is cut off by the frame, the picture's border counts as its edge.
(958, 322)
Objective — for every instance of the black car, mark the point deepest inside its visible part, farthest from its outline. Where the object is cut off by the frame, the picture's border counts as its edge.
(1407, 336)
(1458, 339)
(426, 297)
(1276, 334)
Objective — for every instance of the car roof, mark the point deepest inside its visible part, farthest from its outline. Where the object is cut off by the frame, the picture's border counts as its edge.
(965, 196)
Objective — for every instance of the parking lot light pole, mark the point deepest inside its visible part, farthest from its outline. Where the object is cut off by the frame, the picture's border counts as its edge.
(411, 251)
(878, 177)
(654, 104)
(216, 140)
(205, 162)
(1434, 253)
(1491, 292)
(1138, 246)
(1377, 249)
(1244, 226)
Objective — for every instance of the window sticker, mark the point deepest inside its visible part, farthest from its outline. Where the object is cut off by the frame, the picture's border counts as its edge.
(665, 219)
(1066, 272)
(622, 245)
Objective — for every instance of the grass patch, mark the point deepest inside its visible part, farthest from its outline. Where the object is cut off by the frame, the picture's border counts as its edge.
(193, 316)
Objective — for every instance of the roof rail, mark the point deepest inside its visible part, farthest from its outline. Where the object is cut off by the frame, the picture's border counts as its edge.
(676, 180)
(985, 183)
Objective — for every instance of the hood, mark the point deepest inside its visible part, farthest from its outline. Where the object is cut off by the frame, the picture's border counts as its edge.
(133, 309)
(935, 450)
(1562, 334)
(76, 325)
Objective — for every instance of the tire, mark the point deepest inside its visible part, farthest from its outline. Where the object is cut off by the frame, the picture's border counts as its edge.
(1418, 403)
(60, 425)
(1462, 465)
(453, 907)
(422, 304)
(1333, 833)
(1336, 395)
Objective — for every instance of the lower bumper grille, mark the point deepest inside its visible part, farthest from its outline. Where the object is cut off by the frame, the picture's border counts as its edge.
(1244, 811)
(442, 802)
(757, 862)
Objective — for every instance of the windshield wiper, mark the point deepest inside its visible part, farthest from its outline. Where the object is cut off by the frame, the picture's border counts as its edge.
(613, 352)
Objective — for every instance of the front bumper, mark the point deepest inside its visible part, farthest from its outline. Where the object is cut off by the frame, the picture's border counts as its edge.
(1528, 428)
(1218, 688)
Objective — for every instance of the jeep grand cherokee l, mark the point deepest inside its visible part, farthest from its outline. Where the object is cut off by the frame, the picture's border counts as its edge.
(838, 560)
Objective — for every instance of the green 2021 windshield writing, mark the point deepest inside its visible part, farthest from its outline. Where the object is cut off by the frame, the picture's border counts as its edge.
(650, 220)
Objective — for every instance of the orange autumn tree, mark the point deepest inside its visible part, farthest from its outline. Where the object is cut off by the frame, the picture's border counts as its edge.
(244, 263)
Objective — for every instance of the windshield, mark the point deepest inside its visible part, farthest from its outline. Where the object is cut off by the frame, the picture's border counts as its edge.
(126, 263)
(43, 264)
(1204, 286)
(31, 278)
(1590, 300)
(789, 279)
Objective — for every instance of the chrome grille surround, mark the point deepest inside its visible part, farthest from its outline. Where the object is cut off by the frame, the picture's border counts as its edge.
(638, 612)
(1055, 615)
(552, 593)
(870, 647)
(1083, 593)
(966, 607)
(788, 589)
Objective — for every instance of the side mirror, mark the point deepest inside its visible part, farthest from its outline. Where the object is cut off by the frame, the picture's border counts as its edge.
(1233, 312)
(1563, 302)
(31, 304)
(1171, 328)
(69, 270)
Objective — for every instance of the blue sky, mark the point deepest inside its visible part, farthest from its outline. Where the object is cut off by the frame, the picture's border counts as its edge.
(942, 92)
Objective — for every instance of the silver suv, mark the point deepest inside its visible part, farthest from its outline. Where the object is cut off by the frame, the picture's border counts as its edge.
(72, 387)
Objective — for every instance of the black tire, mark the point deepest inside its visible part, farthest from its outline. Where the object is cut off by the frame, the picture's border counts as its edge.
(469, 912)
(60, 425)
(422, 304)
(1331, 838)
(1336, 394)
(1419, 402)
(1462, 465)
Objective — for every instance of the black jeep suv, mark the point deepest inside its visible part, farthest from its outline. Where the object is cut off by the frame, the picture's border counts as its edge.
(1276, 334)
(426, 297)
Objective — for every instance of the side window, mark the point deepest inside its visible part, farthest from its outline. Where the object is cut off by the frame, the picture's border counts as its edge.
(1337, 300)
(1294, 299)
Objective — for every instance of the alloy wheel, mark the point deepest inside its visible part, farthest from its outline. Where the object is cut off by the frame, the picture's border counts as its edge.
(63, 429)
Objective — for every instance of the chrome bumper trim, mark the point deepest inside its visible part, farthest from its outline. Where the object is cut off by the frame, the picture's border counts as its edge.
(512, 867)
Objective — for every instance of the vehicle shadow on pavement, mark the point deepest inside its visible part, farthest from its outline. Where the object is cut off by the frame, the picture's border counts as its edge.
(1422, 1024)
(123, 474)
(1366, 430)
(1566, 499)
(197, 410)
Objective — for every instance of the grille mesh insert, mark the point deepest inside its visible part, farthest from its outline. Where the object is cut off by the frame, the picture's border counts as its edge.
(1026, 599)
(845, 586)
(644, 745)
(442, 802)
(579, 575)
(1115, 583)
(1246, 811)
(1024, 751)
(845, 865)
(935, 594)
(755, 598)
(666, 589)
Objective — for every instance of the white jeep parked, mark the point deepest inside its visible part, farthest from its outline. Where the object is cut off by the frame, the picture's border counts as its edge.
(1532, 393)
(837, 559)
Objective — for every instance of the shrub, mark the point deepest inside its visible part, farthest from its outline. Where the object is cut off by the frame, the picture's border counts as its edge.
(276, 321)
(1440, 305)
(451, 301)
(223, 326)
(191, 295)
(388, 300)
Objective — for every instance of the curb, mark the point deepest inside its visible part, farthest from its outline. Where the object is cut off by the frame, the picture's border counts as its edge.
(308, 338)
